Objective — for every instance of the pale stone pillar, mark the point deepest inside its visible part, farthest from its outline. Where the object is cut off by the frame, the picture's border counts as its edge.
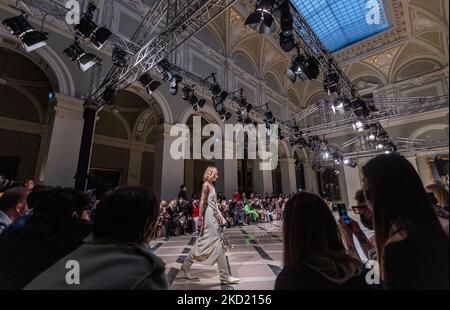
(230, 172)
(311, 179)
(353, 183)
(135, 166)
(424, 171)
(169, 172)
(288, 177)
(262, 179)
(65, 140)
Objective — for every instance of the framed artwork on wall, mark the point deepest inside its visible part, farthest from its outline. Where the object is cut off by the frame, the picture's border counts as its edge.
(438, 168)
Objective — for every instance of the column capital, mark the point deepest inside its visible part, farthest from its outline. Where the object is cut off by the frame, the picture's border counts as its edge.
(287, 161)
(68, 107)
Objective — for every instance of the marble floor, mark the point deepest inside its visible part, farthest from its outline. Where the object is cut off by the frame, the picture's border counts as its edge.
(256, 258)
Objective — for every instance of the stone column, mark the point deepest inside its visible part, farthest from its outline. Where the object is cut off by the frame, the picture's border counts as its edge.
(230, 172)
(288, 177)
(168, 172)
(262, 179)
(65, 140)
(424, 171)
(353, 183)
(135, 166)
(311, 179)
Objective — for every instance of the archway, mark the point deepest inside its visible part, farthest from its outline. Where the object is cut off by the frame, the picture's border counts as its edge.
(26, 93)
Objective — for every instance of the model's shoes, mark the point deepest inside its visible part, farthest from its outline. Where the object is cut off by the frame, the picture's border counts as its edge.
(231, 280)
(187, 275)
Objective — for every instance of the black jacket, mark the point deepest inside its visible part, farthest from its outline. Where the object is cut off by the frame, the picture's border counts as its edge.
(28, 251)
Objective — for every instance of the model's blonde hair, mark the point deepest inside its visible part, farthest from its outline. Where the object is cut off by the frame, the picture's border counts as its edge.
(209, 173)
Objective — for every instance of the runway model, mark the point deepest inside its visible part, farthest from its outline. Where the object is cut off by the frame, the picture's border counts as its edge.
(211, 244)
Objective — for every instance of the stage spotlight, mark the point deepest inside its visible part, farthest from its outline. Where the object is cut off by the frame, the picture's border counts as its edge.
(109, 94)
(31, 38)
(336, 172)
(163, 66)
(187, 92)
(326, 154)
(380, 146)
(331, 82)
(89, 30)
(346, 161)
(372, 137)
(287, 42)
(173, 84)
(119, 57)
(225, 116)
(358, 126)
(340, 104)
(199, 104)
(215, 89)
(85, 60)
(262, 16)
(148, 83)
(360, 108)
(303, 68)
(219, 100)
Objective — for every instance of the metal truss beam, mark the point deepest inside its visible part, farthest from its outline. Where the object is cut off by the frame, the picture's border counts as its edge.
(192, 16)
(388, 109)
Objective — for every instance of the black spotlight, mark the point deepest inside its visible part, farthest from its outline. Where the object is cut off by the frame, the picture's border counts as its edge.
(85, 60)
(340, 104)
(303, 68)
(287, 42)
(20, 27)
(109, 94)
(331, 81)
(215, 89)
(119, 57)
(219, 100)
(163, 66)
(148, 83)
(187, 92)
(173, 79)
(225, 116)
(262, 16)
(199, 104)
(360, 107)
(89, 30)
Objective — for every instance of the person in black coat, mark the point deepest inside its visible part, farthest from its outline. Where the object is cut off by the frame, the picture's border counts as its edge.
(53, 230)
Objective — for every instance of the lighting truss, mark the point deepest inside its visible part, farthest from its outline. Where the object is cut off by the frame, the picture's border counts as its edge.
(183, 19)
(44, 8)
(315, 47)
(388, 109)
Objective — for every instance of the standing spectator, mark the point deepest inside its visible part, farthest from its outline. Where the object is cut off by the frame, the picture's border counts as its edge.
(13, 205)
(183, 192)
(314, 255)
(412, 247)
(53, 230)
(117, 255)
(195, 214)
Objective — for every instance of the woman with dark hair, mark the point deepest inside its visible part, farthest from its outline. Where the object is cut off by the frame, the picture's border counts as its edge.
(314, 254)
(53, 230)
(412, 247)
(117, 255)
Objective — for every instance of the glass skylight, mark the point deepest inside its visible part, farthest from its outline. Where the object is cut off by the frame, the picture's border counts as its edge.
(341, 23)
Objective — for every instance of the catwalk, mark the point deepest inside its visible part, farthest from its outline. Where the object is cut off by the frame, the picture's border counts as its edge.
(255, 259)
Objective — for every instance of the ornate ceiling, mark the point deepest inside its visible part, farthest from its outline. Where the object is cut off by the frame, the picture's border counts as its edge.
(416, 45)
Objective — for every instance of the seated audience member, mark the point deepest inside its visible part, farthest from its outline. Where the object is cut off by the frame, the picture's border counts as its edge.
(33, 199)
(314, 254)
(412, 247)
(53, 230)
(117, 256)
(28, 183)
(13, 205)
